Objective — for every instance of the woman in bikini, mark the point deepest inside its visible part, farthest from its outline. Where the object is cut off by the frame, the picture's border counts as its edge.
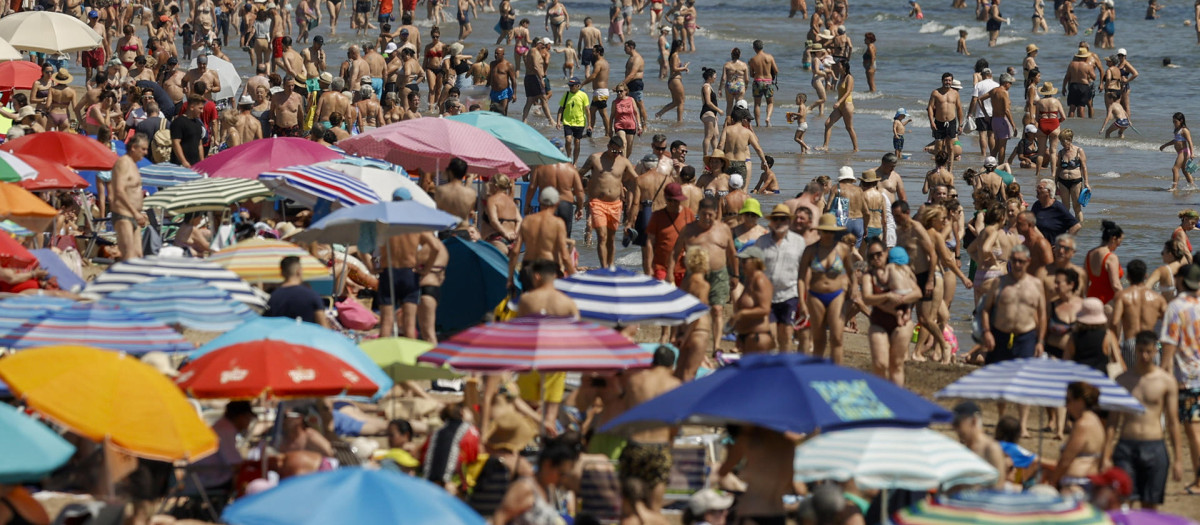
(820, 74)
(697, 338)
(39, 96)
(392, 110)
(62, 100)
(933, 218)
(1187, 222)
(890, 289)
(1104, 281)
(709, 111)
(480, 69)
(953, 234)
(733, 78)
(1033, 81)
(752, 309)
(1173, 258)
(129, 46)
(675, 84)
(1071, 172)
(434, 62)
(1183, 150)
(521, 44)
(1081, 455)
(843, 107)
(991, 248)
(501, 218)
(557, 20)
(664, 49)
(689, 24)
(824, 277)
(1061, 314)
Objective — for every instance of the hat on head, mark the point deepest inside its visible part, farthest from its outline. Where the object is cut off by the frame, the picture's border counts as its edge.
(1190, 274)
(956, 84)
(275, 90)
(845, 173)
(987, 71)
(1047, 89)
(781, 210)
(674, 192)
(93, 14)
(287, 230)
(736, 181)
(26, 111)
(1121, 52)
(510, 431)
(751, 252)
(246, 101)
(325, 78)
(164, 18)
(716, 154)
(870, 176)
(897, 255)
(1082, 53)
(828, 223)
(547, 41)
(63, 77)
(709, 500)
(1030, 48)
(666, 29)
(816, 47)
(966, 410)
(401, 194)
(751, 206)
(990, 161)
(825, 34)
(741, 104)
(320, 40)
(1092, 312)
(574, 81)
(901, 113)
(365, 79)
(391, 48)
(1030, 128)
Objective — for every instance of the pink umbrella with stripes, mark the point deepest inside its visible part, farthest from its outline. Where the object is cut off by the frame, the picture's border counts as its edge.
(248, 160)
(548, 344)
(429, 144)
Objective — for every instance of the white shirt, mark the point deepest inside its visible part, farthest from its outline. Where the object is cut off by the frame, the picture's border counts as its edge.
(983, 108)
(782, 263)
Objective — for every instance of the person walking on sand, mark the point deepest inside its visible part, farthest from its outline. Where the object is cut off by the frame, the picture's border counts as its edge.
(1180, 340)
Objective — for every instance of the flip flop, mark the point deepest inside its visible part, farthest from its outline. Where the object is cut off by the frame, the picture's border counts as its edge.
(1192, 491)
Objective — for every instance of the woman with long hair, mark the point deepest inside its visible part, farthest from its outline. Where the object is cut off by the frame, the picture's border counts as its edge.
(1173, 258)
(843, 106)
(889, 287)
(1082, 453)
(675, 83)
(709, 110)
(1183, 150)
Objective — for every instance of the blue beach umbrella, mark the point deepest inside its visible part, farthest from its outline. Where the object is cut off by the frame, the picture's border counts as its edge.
(527, 143)
(307, 334)
(165, 174)
(28, 449)
(475, 279)
(56, 268)
(615, 296)
(17, 310)
(370, 224)
(100, 325)
(186, 302)
(786, 393)
(1039, 382)
(352, 495)
(124, 274)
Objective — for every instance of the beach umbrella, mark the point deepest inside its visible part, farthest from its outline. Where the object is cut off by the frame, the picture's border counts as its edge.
(29, 450)
(110, 396)
(191, 303)
(916, 459)
(352, 495)
(389, 218)
(227, 73)
(383, 181)
(275, 368)
(15, 256)
(18, 74)
(397, 356)
(24, 208)
(18, 309)
(14, 169)
(1146, 517)
(1001, 508)
(301, 333)
(64, 276)
(547, 344)
(257, 260)
(248, 160)
(69, 149)
(1039, 382)
(308, 184)
(786, 393)
(477, 278)
(616, 296)
(429, 146)
(10, 53)
(100, 325)
(527, 143)
(369, 162)
(124, 274)
(14, 229)
(48, 32)
(207, 195)
(48, 175)
(165, 175)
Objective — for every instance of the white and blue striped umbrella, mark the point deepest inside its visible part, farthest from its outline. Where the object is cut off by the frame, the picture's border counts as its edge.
(124, 274)
(306, 184)
(187, 302)
(18, 309)
(1039, 382)
(100, 325)
(165, 174)
(891, 458)
(615, 296)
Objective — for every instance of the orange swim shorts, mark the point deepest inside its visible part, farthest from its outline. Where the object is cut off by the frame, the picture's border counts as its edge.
(605, 214)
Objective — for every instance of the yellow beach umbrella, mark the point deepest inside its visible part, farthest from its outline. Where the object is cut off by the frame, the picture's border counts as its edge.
(110, 396)
(256, 260)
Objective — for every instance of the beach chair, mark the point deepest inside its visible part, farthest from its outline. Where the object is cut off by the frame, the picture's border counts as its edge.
(692, 458)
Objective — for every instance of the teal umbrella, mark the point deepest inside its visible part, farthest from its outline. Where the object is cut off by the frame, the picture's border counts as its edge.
(28, 449)
(527, 143)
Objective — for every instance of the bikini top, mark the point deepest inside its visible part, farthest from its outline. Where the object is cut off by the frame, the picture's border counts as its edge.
(834, 269)
(1069, 164)
(1178, 136)
(1056, 325)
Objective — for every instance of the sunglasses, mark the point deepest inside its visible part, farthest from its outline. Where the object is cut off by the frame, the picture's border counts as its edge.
(1020, 261)
(875, 254)
(660, 148)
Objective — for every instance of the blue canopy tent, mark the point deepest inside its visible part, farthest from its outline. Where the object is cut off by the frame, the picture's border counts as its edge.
(475, 279)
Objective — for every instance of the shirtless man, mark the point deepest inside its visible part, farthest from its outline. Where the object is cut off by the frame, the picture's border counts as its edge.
(716, 238)
(647, 455)
(127, 215)
(566, 180)
(911, 235)
(609, 171)
(1040, 252)
(286, 106)
(290, 63)
(314, 61)
(589, 37)
(1014, 317)
(543, 298)
(737, 140)
(1002, 124)
(173, 83)
(399, 281)
(734, 75)
(945, 115)
(546, 236)
(456, 197)
(891, 184)
(968, 424)
(1135, 308)
(247, 125)
(1064, 250)
(765, 74)
(635, 69)
(599, 81)
(369, 110)
(536, 66)
(770, 478)
(1141, 450)
(648, 197)
(1077, 83)
(332, 101)
(501, 79)
(812, 199)
(202, 73)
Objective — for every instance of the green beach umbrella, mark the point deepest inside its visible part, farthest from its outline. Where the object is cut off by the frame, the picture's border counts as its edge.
(13, 169)
(527, 143)
(397, 356)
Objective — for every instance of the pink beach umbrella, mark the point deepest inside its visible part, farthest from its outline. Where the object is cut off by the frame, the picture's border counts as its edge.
(428, 144)
(248, 160)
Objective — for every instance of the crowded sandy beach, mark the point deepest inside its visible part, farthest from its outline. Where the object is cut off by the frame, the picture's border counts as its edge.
(637, 262)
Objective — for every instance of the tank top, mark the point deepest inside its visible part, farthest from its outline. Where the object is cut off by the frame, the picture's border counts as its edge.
(1089, 348)
(262, 28)
(625, 114)
(1098, 283)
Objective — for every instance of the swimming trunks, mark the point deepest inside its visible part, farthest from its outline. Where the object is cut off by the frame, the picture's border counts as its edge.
(502, 95)
(534, 86)
(635, 88)
(587, 57)
(945, 129)
(1078, 94)
(1147, 464)
(898, 143)
(764, 87)
(1000, 128)
(399, 285)
(736, 87)
(600, 98)
(605, 214)
(566, 211)
(1121, 123)
(1012, 346)
(649, 462)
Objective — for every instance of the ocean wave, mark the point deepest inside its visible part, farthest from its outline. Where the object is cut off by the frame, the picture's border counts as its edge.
(889, 16)
(1109, 175)
(1114, 143)
(1009, 40)
(973, 32)
(932, 27)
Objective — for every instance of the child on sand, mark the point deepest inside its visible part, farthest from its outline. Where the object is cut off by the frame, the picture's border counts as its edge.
(915, 12)
(800, 117)
(962, 43)
(1117, 115)
(570, 58)
(767, 183)
(898, 122)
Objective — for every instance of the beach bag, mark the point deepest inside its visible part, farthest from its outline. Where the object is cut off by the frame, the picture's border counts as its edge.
(968, 126)
(353, 315)
(160, 144)
(840, 208)
(1191, 166)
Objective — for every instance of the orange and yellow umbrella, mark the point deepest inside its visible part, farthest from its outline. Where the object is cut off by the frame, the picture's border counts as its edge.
(103, 394)
(24, 208)
(256, 260)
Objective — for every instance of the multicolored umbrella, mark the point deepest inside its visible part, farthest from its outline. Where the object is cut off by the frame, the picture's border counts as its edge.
(383, 181)
(207, 195)
(1039, 382)
(891, 458)
(549, 344)
(616, 296)
(308, 184)
(397, 356)
(165, 175)
(1001, 508)
(248, 160)
(124, 274)
(102, 395)
(13, 169)
(31, 449)
(276, 368)
(429, 146)
(69, 149)
(527, 143)
(14, 229)
(15, 256)
(186, 302)
(100, 325)
(57, 270)
(257, 260)
(50, 175)
(19, 309)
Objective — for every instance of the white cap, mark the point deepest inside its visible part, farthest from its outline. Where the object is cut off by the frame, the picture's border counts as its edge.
(1121, 51)
(1030, 128)
(741, 104)
(846, 173)
(547, 41)
(391, 48)
(708, 500)
(246, 101)
(736, 181)
(990, 161)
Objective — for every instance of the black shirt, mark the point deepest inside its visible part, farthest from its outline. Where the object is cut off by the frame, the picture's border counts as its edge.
(189, 132)
(1053, 220)
(294, 301)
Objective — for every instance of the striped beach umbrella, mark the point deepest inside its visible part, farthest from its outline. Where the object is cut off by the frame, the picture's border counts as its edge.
(214, 194)
(1002, 508)
(307, 184)
(549, 344)
(891, 458)
(13, 169)
(1039, 382)
(14, 229)
(124, 274)
(187, 302)
(615, 296)
(99, 325)
(257, 260)
(165, 175)
(18, 309)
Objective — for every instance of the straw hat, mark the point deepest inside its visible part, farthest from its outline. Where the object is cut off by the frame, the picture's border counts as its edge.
(1083, 53)
(1092, 312)
(1030, 48)
(825, 34)
(816, 47)
(63, 77)
(26, 111)
(781, 210)
(1047, 89)
(956, 85)
(828, 223)
(716, 154)
(752, 207)
(510, 432)
(287, 230)
(869, 176)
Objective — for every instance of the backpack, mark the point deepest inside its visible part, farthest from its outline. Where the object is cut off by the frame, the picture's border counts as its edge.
(160, 143)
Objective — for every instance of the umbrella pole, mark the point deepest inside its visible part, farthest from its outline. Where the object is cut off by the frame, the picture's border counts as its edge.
(884, 515)
(391, 286)
(1041, 437)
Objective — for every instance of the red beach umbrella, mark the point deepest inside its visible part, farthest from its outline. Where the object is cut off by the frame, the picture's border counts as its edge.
(50, 175)
(18, 74)
(278, 368)
(76, 151)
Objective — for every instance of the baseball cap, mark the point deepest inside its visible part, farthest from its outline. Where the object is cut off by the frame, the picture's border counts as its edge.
(547, 41)
(741, 104)
(897, 255)
(401, 194)
(708, 500)
(318, 39)
(1121, 52)
(966, 410)
(246, 101)
(990, 161)
(674, 192)
(391, 48)
(93, 14)
(1030, 128)
(1190, 273)
(901, 112)
(736, 181)
(573, 82)
(751, 252)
